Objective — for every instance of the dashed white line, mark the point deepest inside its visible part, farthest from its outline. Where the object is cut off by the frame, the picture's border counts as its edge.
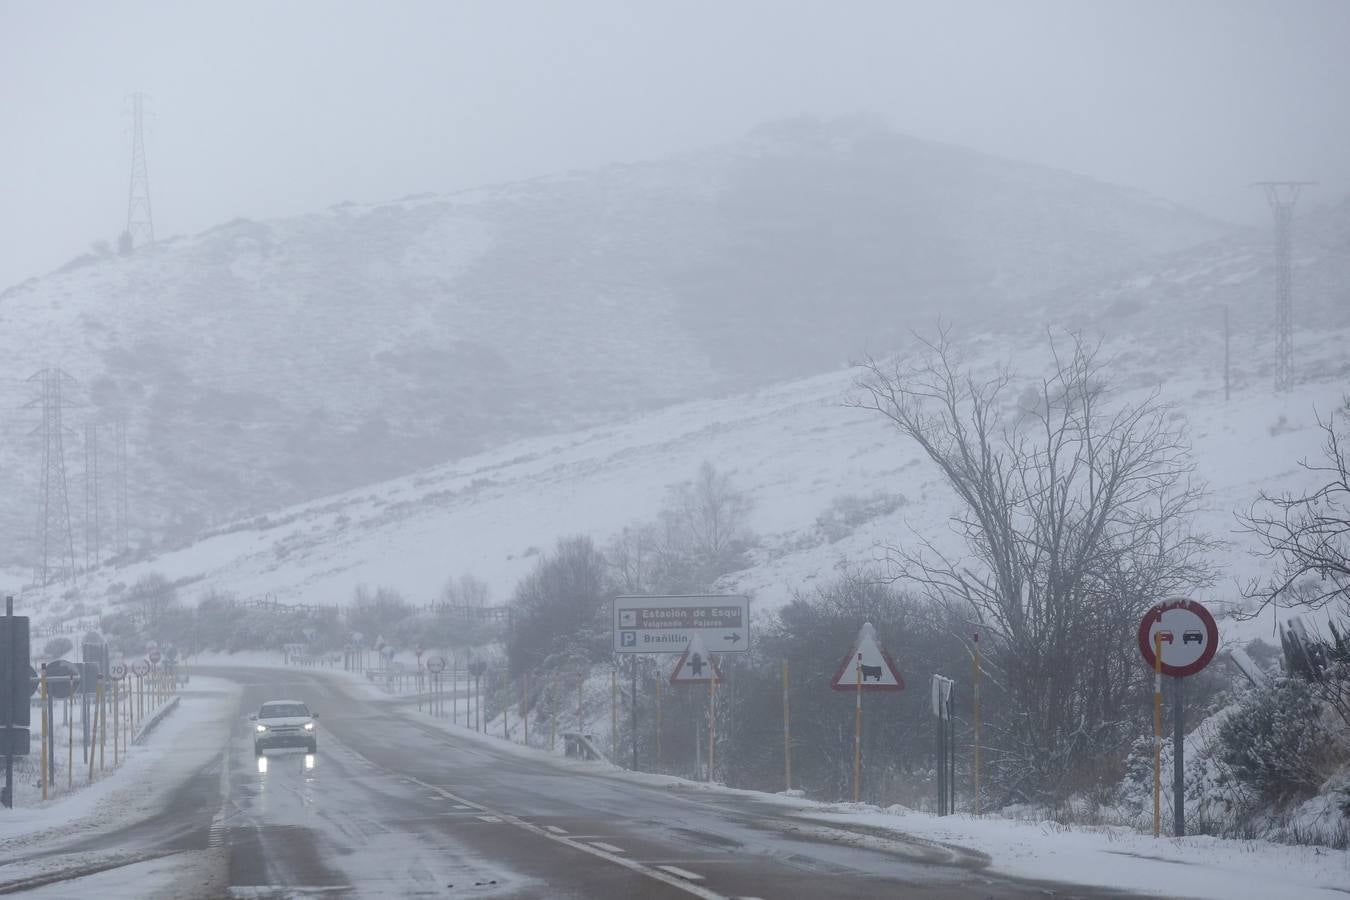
(681, 873)
(489, 818)
(607, 847)
(555, 829)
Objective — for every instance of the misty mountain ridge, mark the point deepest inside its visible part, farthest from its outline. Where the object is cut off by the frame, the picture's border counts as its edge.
(264, 363)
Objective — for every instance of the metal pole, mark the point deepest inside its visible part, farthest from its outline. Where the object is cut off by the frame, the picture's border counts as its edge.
(614, 714)
(70, 737)
(1157, 733)
(117, 723)
(787, 732)
(525, 705)
(857, 732)
(13, 688)
(635, 715)
(102, 724)
(1178, 757)
(951, 754)
(99, 695)
(658, 718)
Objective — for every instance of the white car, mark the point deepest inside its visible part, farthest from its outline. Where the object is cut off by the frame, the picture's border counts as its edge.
(284, 723)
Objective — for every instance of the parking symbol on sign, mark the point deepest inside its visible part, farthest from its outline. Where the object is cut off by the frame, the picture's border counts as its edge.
(628, 618)
(628, 638)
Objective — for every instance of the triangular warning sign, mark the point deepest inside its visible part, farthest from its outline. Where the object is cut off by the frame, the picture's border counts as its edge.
(868, 666)
(696, 666)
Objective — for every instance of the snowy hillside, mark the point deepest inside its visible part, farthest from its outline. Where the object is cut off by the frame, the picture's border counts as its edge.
(794, 448)
(264, 363)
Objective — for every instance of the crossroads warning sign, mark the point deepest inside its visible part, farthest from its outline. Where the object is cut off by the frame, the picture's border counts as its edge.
(867, 666)
(696, 666)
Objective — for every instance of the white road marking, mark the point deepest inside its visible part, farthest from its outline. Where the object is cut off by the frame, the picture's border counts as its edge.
(610, 847)
(681, 873)
(488, 818)
(287, 890)
(555, 829)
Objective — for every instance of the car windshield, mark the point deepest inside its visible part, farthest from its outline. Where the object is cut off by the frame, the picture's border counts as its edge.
(283, 710)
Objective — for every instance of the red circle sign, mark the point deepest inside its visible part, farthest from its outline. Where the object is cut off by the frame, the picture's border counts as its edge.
(155, 657)
(1188, 635)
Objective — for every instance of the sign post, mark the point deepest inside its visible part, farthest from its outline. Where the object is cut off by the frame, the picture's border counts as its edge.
(867, 667)
(1178, 638)
(697, 666)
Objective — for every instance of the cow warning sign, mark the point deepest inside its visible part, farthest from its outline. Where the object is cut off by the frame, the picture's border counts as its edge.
(867, 666)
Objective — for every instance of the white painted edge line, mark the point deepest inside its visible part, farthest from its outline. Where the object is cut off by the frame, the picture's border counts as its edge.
(656, 874)
(555, 829)
(610, 848)
(681, 873)
(492, 819)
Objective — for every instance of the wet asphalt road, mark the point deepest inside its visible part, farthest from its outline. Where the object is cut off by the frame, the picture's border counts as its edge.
(393, 806)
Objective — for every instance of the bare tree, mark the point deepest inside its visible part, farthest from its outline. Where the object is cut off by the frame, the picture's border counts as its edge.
(702, 530)
(1075, 515)
(1307, 535)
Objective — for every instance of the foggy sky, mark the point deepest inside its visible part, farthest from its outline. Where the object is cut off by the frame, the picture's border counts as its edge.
(262, 109)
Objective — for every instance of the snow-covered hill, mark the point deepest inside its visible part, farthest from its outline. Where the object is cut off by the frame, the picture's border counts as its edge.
(263, 363)
(794, 448)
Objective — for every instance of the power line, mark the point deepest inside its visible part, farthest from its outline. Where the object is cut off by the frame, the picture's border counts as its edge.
(120, 485)
(140, 228)
(92, 519)
(1282, 197)
(55, 543)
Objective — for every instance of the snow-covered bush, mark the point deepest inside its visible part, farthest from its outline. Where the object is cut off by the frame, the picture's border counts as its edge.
(1277, 744)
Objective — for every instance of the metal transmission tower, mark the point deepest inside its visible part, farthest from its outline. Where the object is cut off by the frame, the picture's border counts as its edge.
(140, 223)
(93, 530)
(1282, 196)
(120, 485)
(55, 543)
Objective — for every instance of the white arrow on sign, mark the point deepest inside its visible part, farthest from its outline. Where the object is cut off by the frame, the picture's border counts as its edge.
(869, 665)
(695, 665)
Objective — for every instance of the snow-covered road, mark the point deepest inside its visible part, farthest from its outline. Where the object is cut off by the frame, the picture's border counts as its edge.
(396, 804)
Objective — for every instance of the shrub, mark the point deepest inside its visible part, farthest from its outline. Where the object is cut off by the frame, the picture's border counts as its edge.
(1276, 744)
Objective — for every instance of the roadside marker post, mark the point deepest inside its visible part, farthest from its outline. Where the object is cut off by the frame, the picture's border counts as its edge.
(1157, 735)
(977, 722)
(614, 713)
(46, 715)
(787, 732)
(525, 705)
(712, 727)
(658, 719)
(857, 733)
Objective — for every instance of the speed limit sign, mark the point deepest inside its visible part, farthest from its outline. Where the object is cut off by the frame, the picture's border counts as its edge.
(117, 671)
(436, 665)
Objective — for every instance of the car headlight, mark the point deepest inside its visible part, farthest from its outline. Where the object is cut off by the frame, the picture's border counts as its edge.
(309, 726)
(260, 728)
